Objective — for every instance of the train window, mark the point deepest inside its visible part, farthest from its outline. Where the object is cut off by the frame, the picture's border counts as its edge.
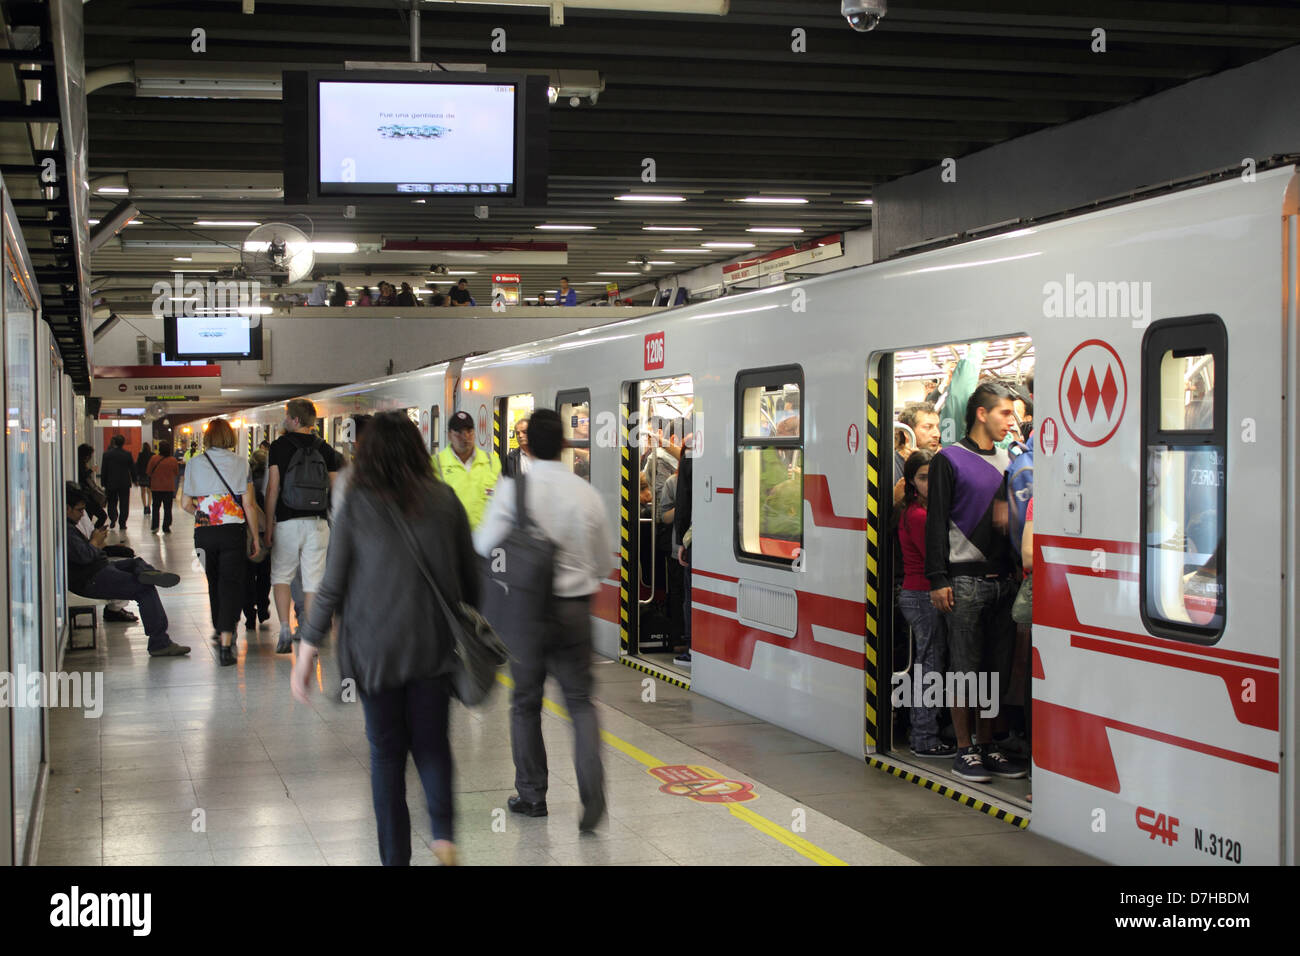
(769, 464)
(1184, 426)
(435, 430)
(574, 408)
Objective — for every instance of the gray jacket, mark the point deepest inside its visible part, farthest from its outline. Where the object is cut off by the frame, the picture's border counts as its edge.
(391, 627)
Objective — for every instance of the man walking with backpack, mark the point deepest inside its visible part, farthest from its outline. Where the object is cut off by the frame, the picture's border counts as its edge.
(546, 609)
(300, 471)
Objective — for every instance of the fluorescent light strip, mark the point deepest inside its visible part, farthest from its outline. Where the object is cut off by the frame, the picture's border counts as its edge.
(618, 273)
(672, 229)
(777, 230)
(774, 200)
(653, 262)
(860, 202)
(561, 227)
(225, 222)
(646, 197)
(730, 245)
(116, 190)
(690, 252)
(182, 259)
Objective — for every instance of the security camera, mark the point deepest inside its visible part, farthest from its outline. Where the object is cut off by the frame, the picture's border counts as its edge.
(864, 15)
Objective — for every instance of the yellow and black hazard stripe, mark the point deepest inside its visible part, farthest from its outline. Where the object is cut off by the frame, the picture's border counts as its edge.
(250, 441)
(944, 790)
(664, 675)
(624, 536)
(496, 430)
(871, 644)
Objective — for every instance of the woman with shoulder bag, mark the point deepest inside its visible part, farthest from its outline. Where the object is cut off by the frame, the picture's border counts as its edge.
(397, 524)
(225, 528)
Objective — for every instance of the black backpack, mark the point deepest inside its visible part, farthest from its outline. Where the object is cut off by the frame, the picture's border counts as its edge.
(517, 593)
(306, 484)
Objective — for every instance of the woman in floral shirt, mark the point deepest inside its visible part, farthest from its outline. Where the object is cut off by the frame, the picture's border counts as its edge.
(220, 495)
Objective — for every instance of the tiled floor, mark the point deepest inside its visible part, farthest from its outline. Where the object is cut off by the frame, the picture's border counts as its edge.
(195, 764)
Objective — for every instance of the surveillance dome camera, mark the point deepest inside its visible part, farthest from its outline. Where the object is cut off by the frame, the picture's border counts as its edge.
(864, 15)
(575, 101)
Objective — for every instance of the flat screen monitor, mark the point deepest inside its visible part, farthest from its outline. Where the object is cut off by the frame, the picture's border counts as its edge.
(212, 337)
(417, 137)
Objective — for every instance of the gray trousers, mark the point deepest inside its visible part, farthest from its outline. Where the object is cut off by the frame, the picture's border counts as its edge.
(562, 649)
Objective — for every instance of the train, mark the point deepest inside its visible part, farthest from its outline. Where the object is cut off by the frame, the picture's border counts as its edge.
(1165, 550)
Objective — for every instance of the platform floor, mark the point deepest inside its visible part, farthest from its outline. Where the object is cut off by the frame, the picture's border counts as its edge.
(281, 783)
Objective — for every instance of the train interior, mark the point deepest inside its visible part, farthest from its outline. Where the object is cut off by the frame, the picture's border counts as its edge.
(665, 409)
(952, 370)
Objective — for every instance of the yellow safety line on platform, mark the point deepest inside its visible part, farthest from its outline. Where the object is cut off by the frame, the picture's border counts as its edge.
(741, 812)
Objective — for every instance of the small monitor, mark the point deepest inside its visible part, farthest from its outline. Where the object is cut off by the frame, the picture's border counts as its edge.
(212, 337)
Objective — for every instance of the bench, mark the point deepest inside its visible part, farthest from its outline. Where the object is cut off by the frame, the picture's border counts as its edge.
(79, 606)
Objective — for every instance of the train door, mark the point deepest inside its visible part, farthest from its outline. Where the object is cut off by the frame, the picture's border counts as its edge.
(912, 692)
(659, 413)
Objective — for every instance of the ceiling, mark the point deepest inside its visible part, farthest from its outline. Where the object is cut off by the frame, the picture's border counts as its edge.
(724, 105)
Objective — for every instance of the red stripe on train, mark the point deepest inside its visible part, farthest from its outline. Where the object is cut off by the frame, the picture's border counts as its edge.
(1260, 712)
(1054, 605)
(817, 492)
(1076, 744)
(732, 641)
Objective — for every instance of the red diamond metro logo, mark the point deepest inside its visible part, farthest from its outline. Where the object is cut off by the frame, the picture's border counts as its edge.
(1093, 392)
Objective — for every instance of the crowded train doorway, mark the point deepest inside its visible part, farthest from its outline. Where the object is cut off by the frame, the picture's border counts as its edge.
(917, 400)
(660, 414)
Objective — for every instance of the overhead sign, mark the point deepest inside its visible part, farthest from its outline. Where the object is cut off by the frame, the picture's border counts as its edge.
(782, 260)
(1092, 392)
(506, 278)
(157, 383)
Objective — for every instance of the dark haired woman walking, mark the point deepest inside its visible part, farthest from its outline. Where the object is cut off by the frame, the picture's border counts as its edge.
(393, 638)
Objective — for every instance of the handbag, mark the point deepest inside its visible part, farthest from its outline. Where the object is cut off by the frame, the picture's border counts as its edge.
(477, 651)
(1022, 611)
(252, 545)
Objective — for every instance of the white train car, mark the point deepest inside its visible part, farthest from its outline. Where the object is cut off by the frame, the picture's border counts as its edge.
(1164, 637)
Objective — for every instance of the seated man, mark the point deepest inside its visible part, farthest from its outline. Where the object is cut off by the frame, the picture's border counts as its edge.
(116, 610)
(92, 574)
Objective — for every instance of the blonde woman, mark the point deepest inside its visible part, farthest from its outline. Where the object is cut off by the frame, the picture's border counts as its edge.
(221, 496)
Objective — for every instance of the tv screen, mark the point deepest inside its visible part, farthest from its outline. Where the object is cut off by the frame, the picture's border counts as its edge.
(208, 337)
(416, 137)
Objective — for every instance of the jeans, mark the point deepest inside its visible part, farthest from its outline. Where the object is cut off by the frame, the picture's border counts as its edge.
(225, 559)
(931, 654)
(410, 719)
(162, 501)
(119, 505)
(119, 580)
(563, 648)
(981, 634)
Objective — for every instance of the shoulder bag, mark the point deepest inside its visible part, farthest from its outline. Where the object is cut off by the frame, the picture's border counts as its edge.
(254, 547)
(477, 651)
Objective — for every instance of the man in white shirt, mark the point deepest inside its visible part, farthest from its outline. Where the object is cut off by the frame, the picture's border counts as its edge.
(568, 511)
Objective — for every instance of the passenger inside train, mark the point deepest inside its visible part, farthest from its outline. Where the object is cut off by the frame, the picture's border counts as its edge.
(954, 618)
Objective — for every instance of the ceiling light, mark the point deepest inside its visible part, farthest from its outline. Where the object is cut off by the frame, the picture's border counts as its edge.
(339, 248)
(861, 202)
(688, 252)
(774, 200)
(653, 262)
(462, 273)
(730, 245)
(92, 222)
(643, 197)
(777, 230)
(182, 259)
(618, 273)
(113, 190)
(562, 227)
(672, 229)
(228, 390)
(225, 222)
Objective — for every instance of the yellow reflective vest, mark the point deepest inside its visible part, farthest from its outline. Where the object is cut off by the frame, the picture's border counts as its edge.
(473, 485)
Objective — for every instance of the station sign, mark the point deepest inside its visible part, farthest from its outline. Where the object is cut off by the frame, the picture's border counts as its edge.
(156, 383)
(782, 260)
(507, 278)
